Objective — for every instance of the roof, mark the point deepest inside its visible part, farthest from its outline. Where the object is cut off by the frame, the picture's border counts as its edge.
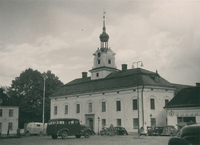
(115, 80)
(63, 119)
(180, 86)
(187, 97)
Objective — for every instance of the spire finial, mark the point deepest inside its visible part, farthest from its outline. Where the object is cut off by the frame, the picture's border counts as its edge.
(104, 27)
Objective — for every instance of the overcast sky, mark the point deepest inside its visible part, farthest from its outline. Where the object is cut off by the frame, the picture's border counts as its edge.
(62, 36)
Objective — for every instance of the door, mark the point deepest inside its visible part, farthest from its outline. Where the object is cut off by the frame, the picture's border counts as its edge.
(90, 120)
(91, 123)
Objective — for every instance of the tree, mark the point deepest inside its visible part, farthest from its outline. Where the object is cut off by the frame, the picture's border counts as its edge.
(27, 91)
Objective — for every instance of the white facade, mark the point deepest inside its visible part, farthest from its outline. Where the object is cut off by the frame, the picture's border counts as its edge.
(9, 116)
(111, 115)
(116, 105)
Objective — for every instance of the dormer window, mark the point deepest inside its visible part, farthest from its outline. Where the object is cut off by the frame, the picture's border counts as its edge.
(109, 61)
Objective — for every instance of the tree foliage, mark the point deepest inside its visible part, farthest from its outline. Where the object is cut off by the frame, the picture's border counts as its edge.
(27, 92)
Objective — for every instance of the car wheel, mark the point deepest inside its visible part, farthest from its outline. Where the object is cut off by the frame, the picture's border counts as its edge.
(54, 136)
(64, 135)
(77, 136)
(87, 134)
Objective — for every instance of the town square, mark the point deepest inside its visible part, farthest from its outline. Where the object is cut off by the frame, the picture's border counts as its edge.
(99, 72)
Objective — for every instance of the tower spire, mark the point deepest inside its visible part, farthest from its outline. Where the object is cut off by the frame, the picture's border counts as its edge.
(104, 27)
(104, 36)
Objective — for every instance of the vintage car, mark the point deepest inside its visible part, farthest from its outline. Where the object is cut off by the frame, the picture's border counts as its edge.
(157, 130)
(169, 130)
(35, 128)
(189, 135)
(65, 127)
(121, 131)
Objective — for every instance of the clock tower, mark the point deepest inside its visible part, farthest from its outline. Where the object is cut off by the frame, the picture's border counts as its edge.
(104, 57)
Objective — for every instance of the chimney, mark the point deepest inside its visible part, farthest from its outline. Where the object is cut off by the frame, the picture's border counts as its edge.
(124, 67)
(84, 75)
(197, 84)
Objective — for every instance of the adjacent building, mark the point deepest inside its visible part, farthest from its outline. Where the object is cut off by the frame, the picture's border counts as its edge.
(8, 116)
(184, 108)
(130, 98)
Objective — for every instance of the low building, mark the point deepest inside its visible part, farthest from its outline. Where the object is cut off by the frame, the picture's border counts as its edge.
(9, 115)
(184, 108)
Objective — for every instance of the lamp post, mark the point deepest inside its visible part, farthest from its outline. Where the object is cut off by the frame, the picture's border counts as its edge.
(45, 77)
(98, 125)
(141, 64)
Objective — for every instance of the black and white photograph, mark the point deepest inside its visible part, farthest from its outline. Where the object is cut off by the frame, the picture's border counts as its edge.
(99, 72)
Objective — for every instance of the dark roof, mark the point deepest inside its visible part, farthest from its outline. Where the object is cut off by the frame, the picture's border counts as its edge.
(180, 87)
(187, 97)
(115, 80)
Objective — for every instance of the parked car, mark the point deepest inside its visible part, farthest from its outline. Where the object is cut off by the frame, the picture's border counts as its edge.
(35, 128)
(189, 135)
(121, 131)
(157, 131)
(65, 127)
(169, 130)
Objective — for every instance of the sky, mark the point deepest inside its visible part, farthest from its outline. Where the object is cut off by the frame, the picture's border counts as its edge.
(62, 35)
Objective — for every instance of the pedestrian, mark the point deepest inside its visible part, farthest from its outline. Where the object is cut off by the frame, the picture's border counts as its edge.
(112, 130)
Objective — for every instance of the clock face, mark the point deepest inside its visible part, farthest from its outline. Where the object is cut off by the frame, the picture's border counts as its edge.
(99, 54)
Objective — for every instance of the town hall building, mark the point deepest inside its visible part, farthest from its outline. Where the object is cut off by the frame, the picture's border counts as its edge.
(122, 97)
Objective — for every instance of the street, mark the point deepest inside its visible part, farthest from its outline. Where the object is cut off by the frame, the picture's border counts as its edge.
(93, 140)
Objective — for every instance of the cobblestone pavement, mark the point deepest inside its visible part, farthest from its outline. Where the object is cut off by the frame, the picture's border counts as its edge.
(93, 140)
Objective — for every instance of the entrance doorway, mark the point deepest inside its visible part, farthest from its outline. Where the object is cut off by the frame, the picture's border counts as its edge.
(90, 120)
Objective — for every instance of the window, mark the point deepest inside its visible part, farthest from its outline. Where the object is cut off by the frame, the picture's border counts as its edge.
(77, 108)
(103, 122)
(152, 103)
(10, 112)
(1, 112)
(153, 122)
(55, 110)
(166, 101)
(90, 107)
(10, 126)
(109, 61)
(118, 105)
(119, 122)
(103, 106)
(134, 104)
(99, 61)
(186, 119)
(135, 123)
(97, 74)
(66, 109)
(0, 126)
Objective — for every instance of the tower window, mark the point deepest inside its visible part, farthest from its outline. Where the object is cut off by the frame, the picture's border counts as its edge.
(99, 61)
(97, 74)
(109, 61)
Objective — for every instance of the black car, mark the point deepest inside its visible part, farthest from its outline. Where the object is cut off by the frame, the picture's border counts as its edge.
(121, 131)
(157, 130)
(65, 127)
(189, 135)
